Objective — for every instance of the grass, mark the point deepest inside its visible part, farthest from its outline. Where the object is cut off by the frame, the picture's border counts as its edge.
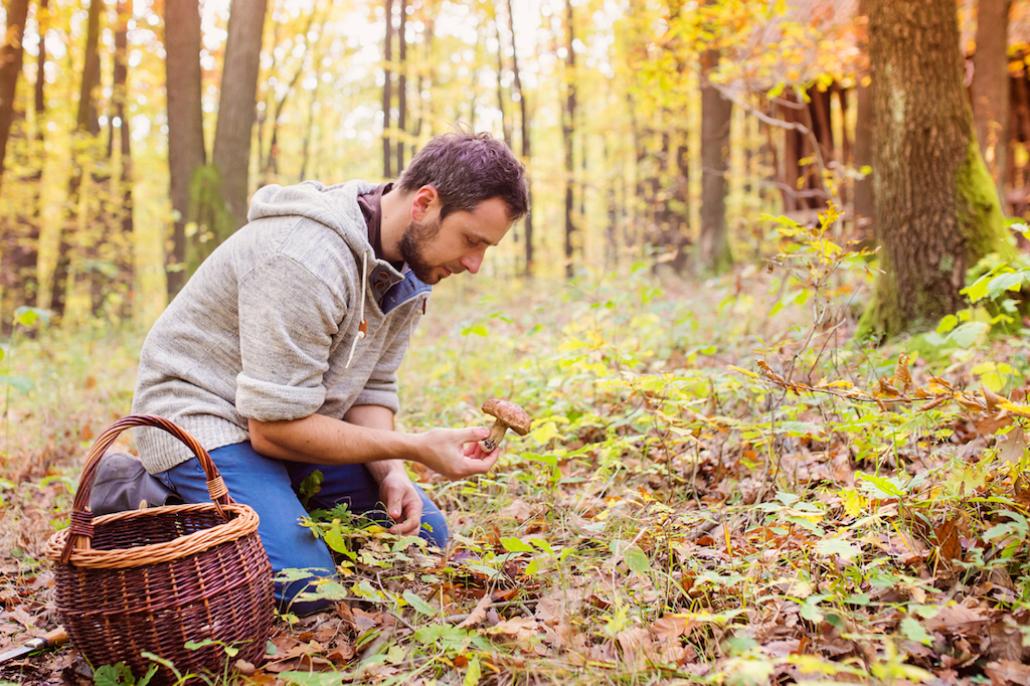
(678, 513)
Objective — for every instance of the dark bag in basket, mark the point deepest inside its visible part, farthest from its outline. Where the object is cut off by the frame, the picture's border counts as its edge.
(154, 580)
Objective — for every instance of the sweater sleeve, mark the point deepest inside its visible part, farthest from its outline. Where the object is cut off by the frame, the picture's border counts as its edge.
(381, 387)
(288, 317)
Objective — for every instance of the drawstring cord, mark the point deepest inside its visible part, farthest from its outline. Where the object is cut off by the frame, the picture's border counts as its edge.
(363, 325)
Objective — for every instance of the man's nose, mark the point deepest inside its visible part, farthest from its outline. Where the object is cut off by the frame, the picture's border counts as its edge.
(472, 262)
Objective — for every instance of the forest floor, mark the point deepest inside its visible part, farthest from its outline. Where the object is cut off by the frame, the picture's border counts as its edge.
(720, 487)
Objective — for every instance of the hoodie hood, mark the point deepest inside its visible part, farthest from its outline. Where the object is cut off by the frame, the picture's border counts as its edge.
(335, 207)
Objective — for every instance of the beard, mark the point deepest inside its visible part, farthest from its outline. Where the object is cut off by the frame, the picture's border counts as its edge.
(412, 248)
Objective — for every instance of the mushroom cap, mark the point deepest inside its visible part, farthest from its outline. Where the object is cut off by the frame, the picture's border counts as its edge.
(517, 419)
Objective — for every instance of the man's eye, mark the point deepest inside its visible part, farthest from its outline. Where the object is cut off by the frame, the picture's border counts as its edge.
(472, 242)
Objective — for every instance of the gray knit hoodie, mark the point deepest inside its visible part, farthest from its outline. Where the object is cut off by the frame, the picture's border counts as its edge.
(269, 325)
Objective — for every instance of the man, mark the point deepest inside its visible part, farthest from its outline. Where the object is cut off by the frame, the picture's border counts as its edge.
(280, 353)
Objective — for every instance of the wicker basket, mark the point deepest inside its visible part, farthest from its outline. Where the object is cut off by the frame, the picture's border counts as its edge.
(154, 579)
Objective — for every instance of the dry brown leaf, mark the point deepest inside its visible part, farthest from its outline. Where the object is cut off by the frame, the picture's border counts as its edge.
(1005, 672)
(519, 510)
(636, 647)
(966, 619)
(478, 613)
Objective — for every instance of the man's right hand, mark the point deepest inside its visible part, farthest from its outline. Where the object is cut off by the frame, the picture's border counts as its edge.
(444, 451)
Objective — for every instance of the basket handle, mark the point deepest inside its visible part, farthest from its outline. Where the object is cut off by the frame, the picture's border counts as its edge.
(81, 533)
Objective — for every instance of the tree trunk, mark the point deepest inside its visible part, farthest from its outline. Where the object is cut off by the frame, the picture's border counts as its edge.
(26, 257)
(713, 249)
(270, 169)
(118, 247)
(237, 106)
(991, 87)
(402, 85)
(937, 211)
(10, 69)
(505, 123)
(185, 125)
(87, 127)
(568, 136)
(387, 92)
(526, 140)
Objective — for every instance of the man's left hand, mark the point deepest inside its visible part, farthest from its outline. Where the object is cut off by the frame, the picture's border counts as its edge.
(402, 501)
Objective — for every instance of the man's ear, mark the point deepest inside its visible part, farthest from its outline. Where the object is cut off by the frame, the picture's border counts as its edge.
(425, 199)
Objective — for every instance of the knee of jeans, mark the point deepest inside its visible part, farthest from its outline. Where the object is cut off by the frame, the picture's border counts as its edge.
(299, 593)
(436, 532)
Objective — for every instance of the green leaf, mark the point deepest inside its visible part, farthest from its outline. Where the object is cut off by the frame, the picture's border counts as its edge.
(476, 330)
(947, 323)
(914, 631)
(880, 486)
(1012, 281)
(544, 432)
(837, 546)
(419, 604)
(637, 560)
(969, 333)
(977, 290)
(473, 672)
(516, 545)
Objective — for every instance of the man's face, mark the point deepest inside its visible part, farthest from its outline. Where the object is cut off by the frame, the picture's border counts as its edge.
(434, 250)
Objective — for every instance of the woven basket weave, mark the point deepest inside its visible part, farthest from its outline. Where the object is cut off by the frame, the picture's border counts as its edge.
(154, 579)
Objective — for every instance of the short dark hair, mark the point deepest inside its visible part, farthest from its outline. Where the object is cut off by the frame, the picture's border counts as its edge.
(466, 169)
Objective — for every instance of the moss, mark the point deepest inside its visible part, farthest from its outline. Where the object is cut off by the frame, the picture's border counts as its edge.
(982, 226)
(212, 223)
(979, 209)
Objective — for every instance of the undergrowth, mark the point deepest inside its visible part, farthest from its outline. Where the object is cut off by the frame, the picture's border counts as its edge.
(720, 486)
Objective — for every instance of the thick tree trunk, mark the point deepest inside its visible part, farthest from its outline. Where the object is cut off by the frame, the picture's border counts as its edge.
(10, 69)
(87, 127)
(713, 249)
(237, 106)
(991, 87)
(185, 125)
(568, 137)
(402, 85)
(937, 210)
(388, 92)
(526, 141)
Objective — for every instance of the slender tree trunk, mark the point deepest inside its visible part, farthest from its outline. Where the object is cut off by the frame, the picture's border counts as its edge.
(402, 85)
(568, 137)
(11, 52)
(309, 126)
(937, 210)
(505, 122)
(185, 125)
(119, 246)
(387, 92)
(713, 250)
(991, 87)
(237, 106)
(524, 127)
(271, 165)
(864, 141)
(87, 128)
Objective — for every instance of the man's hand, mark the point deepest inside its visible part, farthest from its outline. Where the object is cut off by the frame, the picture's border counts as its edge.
(454, 453)
(402, 502)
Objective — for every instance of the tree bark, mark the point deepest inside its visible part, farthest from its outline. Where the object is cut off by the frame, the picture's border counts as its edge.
(185, 125)
(387, 92)
(524, 127)
(991, 87)
(87, 127)
(568, 137)
(713, 249)
(118, 247)
(10, 69)
(237, 106)
(937, 211)
(402, 85)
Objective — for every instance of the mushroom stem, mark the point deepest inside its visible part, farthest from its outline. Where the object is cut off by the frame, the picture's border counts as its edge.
(497, 431)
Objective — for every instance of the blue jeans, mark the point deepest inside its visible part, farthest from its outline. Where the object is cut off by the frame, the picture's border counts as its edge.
(270, 487)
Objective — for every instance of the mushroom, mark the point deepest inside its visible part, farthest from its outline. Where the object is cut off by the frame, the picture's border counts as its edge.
(507, 415)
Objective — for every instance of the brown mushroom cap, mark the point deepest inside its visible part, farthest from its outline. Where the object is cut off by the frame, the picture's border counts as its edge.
(517, 419)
